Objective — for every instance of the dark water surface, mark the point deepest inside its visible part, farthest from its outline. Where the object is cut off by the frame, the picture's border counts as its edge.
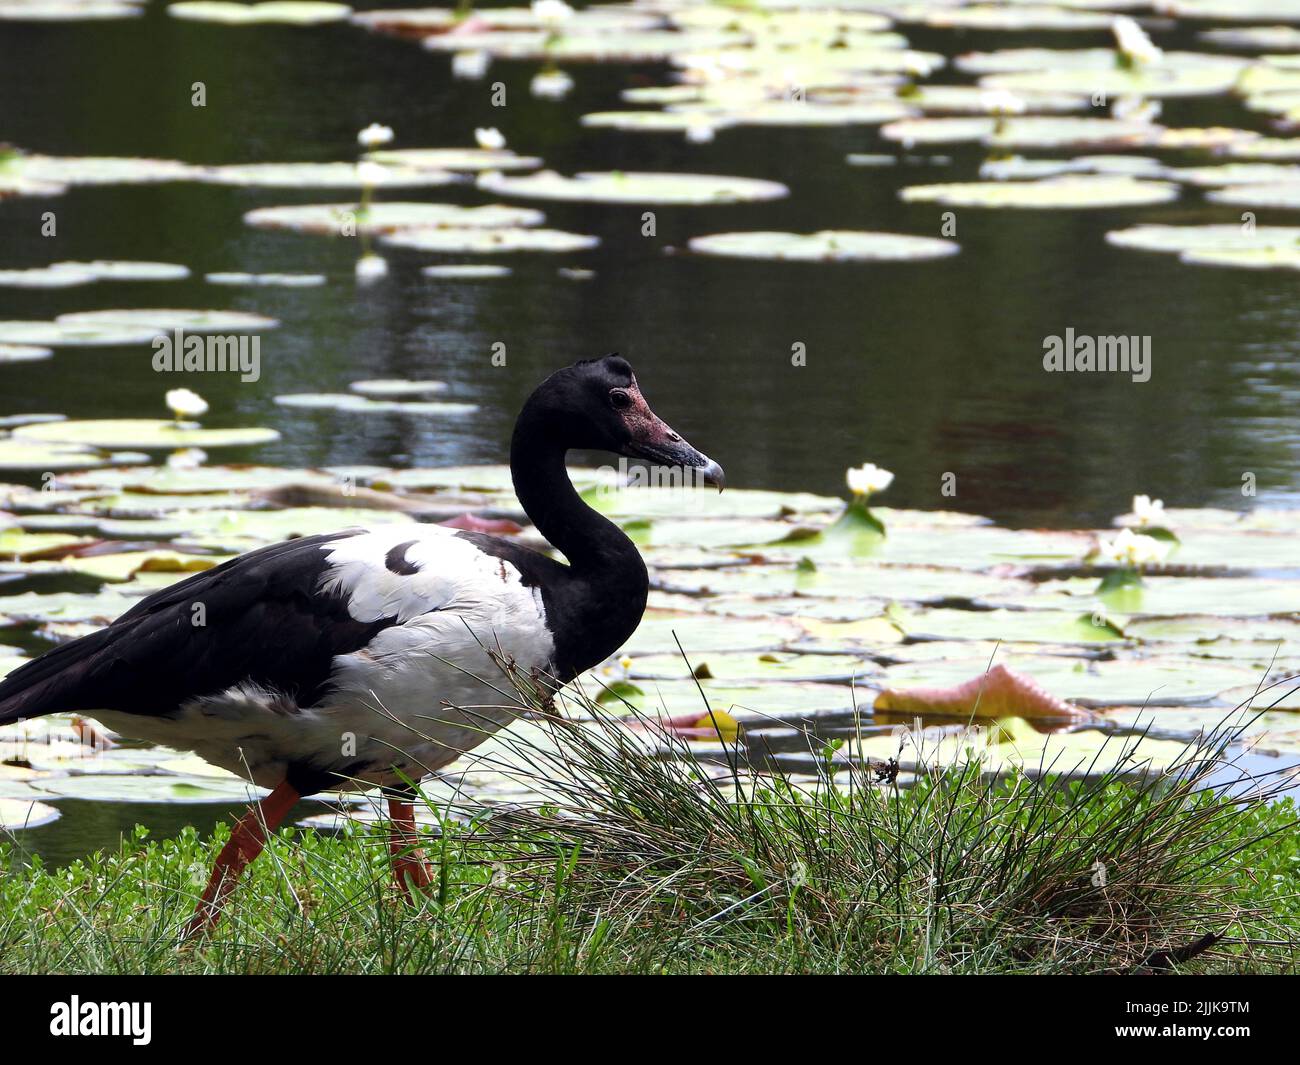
(923, 368)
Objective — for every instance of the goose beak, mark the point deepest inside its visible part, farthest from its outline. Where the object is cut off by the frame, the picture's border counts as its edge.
(712, 474)
(677, 453)
(669, 449)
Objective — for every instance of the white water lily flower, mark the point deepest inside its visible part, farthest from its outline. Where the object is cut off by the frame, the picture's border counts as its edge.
(551, 85)
(185, 404)
(490, 138)
(1135, 109)
(1132, 40)
(916, 66)
(1148, 511)
(371, 174)
(187, 458)
(1002, 102)
(699, 131)
(868, 479)
(1132, 549)
(551, 12)
(371, 267)
(374, 135)
(470, 66)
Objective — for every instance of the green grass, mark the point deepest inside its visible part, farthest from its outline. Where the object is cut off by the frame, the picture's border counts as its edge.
(643, 864)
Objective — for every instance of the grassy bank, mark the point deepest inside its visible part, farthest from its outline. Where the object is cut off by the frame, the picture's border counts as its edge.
(645, 864)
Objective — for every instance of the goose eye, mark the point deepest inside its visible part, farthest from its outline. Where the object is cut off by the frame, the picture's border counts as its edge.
(620, 399)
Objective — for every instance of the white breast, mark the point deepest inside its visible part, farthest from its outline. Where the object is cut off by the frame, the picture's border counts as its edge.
(420, 694)
(433, 684)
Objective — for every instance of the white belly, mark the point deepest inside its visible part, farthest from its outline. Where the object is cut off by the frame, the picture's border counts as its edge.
(414, 700)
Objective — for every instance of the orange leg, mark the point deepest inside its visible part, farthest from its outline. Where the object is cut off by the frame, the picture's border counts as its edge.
(246, 843)
(408, 859)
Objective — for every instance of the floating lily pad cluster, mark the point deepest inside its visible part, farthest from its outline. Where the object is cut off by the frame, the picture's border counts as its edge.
(791, 612)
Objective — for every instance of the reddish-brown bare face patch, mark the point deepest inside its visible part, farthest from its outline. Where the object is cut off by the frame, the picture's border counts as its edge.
(644, 424)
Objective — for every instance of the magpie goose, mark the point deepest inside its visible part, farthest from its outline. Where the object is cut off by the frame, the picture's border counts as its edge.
(373, 656)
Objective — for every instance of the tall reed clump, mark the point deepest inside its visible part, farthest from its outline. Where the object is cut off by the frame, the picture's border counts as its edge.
(700, 859)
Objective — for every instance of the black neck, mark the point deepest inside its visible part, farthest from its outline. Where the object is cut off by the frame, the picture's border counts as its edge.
(599, 601)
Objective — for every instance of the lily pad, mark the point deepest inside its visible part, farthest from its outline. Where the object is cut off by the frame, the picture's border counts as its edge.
(1255, 38)
(1281, 102)
(242, 529)
(324, 176)
(656, 121)
(1280, 197)
(1211, 77)
(25, 455)
(1103, 60)
(108, 787)
(635, 46)
(474, 478)
(786, 113)
(287, 12)
(1266, 148)
(976, 100)
(1016, 16)
(140, 433)
(360, 404)
(97, 169)
(54, 276)
(916, 584)
(1246, 258)
(635, 187)
(813, 65)
(1018, 168)
(204, 480)
(797, 23)
(23, 813)
(1027, 626)
(266, 280)
(642, 501)
(1235, 10)
(124, 565)
(1179, 239)
(1223, 596)
(66, 10)
(743, 667)
(59, 334)
(430, 20)
(391, 387)
(1014, 746)
(168, 319)
(489, 241)
(1018, 134)
(329, 219)
(22, 545)
(1236, 174)
(660, 631)
(1128, 682)
(454, 159)
(467, 272)
(826, 246)
(1063, 193)
(24, 353)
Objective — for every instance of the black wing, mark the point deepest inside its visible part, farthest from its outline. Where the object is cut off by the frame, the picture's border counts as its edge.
(257, 618)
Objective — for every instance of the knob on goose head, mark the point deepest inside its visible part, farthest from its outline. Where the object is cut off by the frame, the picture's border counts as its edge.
(597, 405)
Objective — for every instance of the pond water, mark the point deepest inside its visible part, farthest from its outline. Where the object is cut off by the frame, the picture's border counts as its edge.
(926, 368)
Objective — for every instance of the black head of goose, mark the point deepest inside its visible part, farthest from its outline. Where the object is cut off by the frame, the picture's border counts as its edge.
(371, 655)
